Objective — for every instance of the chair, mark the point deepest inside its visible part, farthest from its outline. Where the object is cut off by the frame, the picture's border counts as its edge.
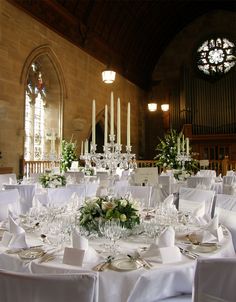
(211, 173)
(165, 284)
(189, 196)
(165, 182)
(226, 210)
(9, 200)
(229, 185)
(7, 179)
(200, 182)
(215, 280)
(73, 287)
(27, 193)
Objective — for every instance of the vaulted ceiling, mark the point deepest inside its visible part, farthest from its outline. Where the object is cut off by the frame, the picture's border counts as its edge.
(130, 35)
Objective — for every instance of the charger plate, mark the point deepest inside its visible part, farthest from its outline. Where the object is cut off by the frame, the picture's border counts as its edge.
(124, 265)
(31, 254)
(204, 248)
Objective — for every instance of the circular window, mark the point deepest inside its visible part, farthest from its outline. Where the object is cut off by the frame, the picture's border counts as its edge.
(216, 56)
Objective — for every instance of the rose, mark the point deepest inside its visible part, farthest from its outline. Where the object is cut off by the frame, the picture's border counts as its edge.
(123, 218)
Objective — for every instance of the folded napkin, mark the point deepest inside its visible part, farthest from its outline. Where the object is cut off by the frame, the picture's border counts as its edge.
(168, 202)
(81, 243)
(11, 181)
(167, 238)
(15, 238)
(198, 215)
(73, 256)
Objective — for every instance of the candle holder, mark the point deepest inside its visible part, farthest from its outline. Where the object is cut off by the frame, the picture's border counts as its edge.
(182, 158)
(111, 158)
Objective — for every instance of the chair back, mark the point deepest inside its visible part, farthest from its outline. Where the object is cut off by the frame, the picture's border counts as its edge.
(9, 200)
(7, 179)
(226, 210)
(73, 287)
(188, 197)
(215, 280)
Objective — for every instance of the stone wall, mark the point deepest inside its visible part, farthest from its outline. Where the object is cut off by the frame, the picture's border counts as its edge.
(20, 35)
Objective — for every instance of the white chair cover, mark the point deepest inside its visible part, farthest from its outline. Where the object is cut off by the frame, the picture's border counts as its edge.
(226, 210)
(200, 182)
(9, 200)
(27, 193)
(196, 195)
(229, 185)
(148, 176)
(176, 281)
(6, 179)
(165, 182)
(230, 173)
(60, 196)
(215, 280)
(19, 287)
(78, 176)
(211, 173)
(140, 193)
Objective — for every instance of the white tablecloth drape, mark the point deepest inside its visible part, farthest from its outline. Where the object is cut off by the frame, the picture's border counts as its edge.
(138, 285)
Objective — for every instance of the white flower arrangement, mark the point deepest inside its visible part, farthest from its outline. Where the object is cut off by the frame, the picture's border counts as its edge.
(103, 209)
(48, 180)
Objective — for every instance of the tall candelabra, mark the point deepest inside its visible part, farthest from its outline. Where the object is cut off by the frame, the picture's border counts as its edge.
(182, 158)
(111, 158)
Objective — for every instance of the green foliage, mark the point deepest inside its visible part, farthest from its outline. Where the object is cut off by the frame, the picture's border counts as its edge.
(48, 180)
(167, 152)
(102, 209)
(68, 154)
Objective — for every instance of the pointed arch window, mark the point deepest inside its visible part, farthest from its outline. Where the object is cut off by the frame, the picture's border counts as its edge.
(35, 101)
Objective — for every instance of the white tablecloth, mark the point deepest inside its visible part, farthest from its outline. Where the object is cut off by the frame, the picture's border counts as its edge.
(140, 285)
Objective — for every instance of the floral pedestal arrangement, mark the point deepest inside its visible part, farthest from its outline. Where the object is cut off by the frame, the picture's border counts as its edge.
(181, 175)
(52, 180)
(101, 209)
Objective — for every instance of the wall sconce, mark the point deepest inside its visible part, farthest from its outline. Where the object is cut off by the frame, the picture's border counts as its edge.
(165, 107)
(108, 76)
(152, 107)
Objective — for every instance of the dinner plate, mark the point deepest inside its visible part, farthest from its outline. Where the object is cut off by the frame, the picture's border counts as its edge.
(204, 248)
(125, 265)
(31, 254)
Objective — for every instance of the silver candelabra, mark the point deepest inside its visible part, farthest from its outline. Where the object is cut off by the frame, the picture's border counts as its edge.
(111, 158)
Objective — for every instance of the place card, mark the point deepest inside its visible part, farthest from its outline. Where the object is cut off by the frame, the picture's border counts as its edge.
(73, 256)
(6, 238)
(170, 254)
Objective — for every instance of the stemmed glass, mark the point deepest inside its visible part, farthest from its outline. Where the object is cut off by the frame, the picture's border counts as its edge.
(113, 231)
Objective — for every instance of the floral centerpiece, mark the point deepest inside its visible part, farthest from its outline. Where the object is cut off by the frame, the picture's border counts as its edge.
(68, 155)
(48, 180)
(102, 209)
(167, 156)
(87, 171)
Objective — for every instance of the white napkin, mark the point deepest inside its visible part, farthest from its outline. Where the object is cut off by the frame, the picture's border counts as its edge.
(11, 181)
(80, 242)
(167, 238)
(153, 253)
(73, 256)
(18, 235)
(168, 202)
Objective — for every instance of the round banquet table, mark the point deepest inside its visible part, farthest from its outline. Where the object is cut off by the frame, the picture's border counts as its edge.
(139, 285)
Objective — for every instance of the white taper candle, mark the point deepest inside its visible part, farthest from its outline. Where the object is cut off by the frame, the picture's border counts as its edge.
(178, 145)
(183, 143)
(128, 125)
(82, 148)
(105, 125)
(187, 146)
(112, 114)
(118, 122)
(86, 147)
(94, 123)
